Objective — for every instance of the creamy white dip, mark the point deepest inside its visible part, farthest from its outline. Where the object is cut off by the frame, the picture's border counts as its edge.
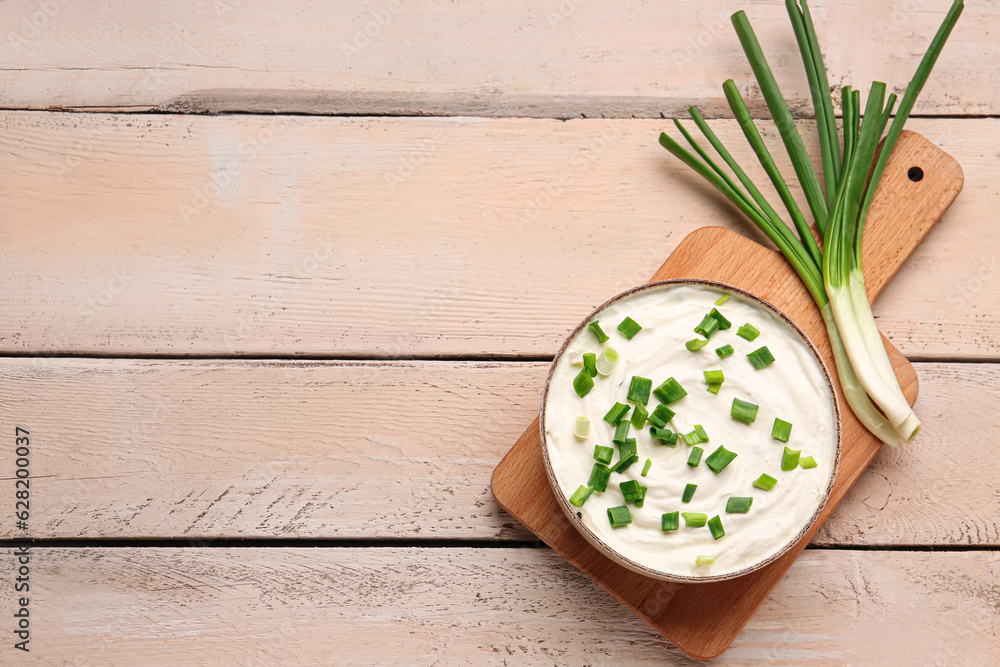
(793, 388)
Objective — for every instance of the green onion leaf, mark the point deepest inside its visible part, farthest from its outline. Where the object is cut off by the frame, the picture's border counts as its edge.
(714, 377)
(709, 325)
(670, 521)
(627, 455)
(664, 435)
(761, 358)
(621, 432)
(739, 504)
(603, 454)
(596, 328)
(642, 497)
(630, 490)
(744, 411)
(695, 458)
(723, 322)
(696, 344)
(748, 331)
(582, 428)
(722, 299)
(606, 361)
(646, 467)
(688, 493)
(724, 351)
(694, 519)
(715, 525)
(790, 459)
(670, 391)
(599, 476)
(697, 436)
(583, 383)
(806, 462)
(660, 416)
(704, 560)
(580, 496)
(782, 430)
(765, 482)
(638, 389)
(629, 328)
(719, 459)
(639, 415)
(619, 516)
(714, 388)
(590, 363)
(616, 413)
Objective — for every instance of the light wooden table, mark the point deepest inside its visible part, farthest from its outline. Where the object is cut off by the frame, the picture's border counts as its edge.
(280, 281)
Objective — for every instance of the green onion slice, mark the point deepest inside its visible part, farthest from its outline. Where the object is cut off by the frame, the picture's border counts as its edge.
(695, 458)
(606, 361)
(660, 415)
(760, 358)
(638, 389)
(616, 413)
(723, 322)
(646, 467)
(739, 504)
(748, 331)
(714, 377)
(790, 459)
(709, 325)
(619, 516)
(694, 519)
(583, 383)
(696, 344)
(765, 482)
(719, 459)
(806, 462)
(642, 496)
(639, 415)
(714, 388)
(603, 454)
(688, 493)
(590, 363)
(670, 391)
(582, 428)
(715, 525)
(704, 560)
(664, 435)
(630, 490)
(744, 411)
(670, 521)
(598, 331)
(629, 328)
(725, 351)
(599, 476)
(722, 299)
(621, 432)
(781, 430)
(627, 455)
(580, 496)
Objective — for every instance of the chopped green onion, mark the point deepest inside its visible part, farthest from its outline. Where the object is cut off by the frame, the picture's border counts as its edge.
(580, 496)
(704, 560)
(596, 328)
(761, 358)
(603, 454)
(725, 351)
(583, 383)
(696, 344)
(709, 325)
(744, 411)
(660, 415)
(646, 467)
(719, 459)
(765, 482)
(748, 331)
(639, 415)
(714, 388)
(616, 413)
(599, 476)
(790, 459)
(664, 435)
(697, 436)
(722, 299)
(694, 519)
(582, 428)
(702, 433)
(688, 493)
(621, 432)
(723, 322)
(670, 521)
(590, 363)
(714, 377)
(606, 361)
(629, 328)
(806, 462)
(715, 525)
(739, 504)
(630, 490)
(642, 498)
(781, 430)
(670, 391)
(695, 458)
(627, 455)
(638, 389)
(575, 358)
(619, 516)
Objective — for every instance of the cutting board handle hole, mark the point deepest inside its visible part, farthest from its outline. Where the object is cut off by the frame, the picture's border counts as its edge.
(915, 174)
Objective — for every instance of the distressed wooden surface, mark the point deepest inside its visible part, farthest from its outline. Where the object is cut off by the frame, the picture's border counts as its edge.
(375, 237)
(166, 606)
(207, 448)
(555, 58)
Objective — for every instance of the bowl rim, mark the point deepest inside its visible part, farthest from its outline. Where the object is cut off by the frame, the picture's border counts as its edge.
(592, 537)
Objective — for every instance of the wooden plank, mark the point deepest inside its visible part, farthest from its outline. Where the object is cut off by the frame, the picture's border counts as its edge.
(559, 58)
(394, 238)
(476, 606)
(204, 449)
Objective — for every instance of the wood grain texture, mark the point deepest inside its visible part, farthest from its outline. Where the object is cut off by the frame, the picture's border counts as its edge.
(226, 449)
(209, 607)
(557, 58)
(242, 235)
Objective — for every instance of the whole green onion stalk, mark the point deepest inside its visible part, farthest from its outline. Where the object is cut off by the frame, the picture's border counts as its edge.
(833, 275)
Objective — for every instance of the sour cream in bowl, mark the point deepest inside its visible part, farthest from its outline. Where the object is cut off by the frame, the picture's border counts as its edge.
(670, 472)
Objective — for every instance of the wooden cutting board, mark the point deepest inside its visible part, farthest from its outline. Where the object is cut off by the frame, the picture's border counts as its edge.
(919, 185)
